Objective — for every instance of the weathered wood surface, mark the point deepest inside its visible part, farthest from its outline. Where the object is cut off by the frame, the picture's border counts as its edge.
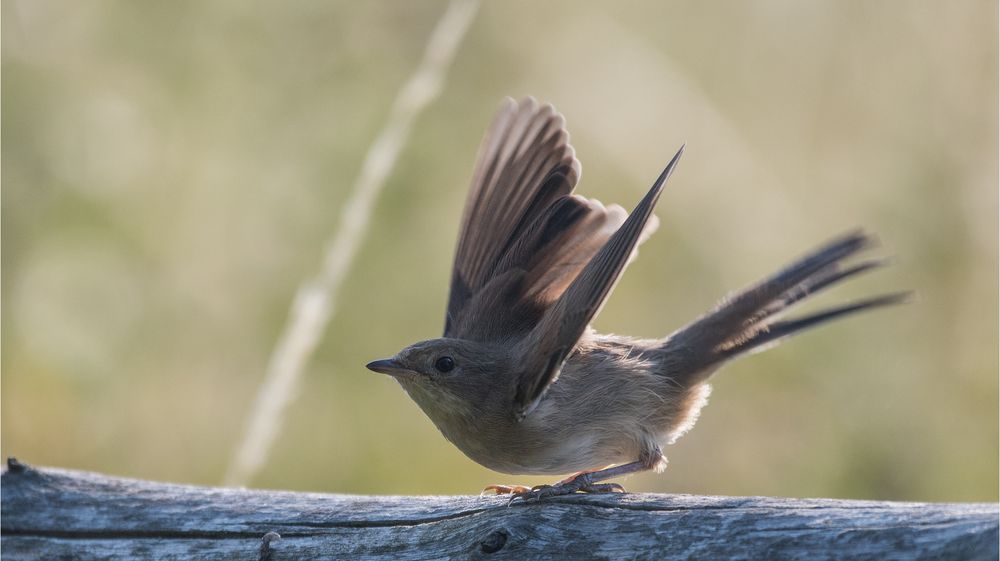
(61, 514)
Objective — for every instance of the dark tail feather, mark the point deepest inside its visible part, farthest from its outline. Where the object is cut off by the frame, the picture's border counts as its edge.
(773, 332)
(744, 322)
(816, 283)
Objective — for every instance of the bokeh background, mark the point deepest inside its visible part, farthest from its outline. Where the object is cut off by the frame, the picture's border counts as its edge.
(172, 171)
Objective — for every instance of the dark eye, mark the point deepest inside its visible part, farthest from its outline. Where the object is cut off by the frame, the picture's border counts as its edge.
(444, 364)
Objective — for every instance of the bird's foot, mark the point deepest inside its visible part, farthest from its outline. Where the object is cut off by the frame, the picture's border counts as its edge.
(505, 489)
(582, 483)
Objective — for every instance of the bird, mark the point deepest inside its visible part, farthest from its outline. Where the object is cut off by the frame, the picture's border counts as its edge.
(520, 382)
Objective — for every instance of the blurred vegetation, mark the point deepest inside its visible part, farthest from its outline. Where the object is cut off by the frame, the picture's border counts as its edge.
(171, 172)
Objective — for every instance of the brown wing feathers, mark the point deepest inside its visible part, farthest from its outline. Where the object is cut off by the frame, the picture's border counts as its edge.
(524, 162)
(558, 332)
(535, 262)
(524, 236)
(524, 144)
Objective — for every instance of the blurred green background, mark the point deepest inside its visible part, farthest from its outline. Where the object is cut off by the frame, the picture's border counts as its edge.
(172, 171)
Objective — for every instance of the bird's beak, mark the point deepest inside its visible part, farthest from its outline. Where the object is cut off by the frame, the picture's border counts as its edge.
(387, 366)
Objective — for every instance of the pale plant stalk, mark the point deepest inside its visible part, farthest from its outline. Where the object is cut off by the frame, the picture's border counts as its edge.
(316, 300)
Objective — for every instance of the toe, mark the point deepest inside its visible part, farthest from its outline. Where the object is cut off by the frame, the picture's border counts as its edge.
(504, 489)
(604, 488)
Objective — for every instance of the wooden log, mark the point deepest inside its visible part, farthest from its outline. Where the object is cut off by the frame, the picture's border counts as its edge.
(63, 514)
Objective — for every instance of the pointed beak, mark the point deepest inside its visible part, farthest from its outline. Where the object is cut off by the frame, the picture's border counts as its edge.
(387, 366)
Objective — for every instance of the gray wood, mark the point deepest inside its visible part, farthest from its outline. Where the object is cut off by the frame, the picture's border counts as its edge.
(62, 514)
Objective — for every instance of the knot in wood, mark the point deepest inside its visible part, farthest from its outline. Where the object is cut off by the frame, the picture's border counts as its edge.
(494, 541)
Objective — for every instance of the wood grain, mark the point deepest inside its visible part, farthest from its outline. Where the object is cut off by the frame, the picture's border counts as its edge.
(62, 514)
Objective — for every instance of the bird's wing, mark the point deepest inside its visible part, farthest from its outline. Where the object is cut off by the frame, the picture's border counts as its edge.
(524, 235)
(563, 323)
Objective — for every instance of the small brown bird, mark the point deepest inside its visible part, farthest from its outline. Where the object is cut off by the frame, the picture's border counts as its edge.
(520, 382)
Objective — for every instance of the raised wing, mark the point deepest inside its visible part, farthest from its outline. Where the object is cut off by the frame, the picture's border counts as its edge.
(524, 235)
(558, 331)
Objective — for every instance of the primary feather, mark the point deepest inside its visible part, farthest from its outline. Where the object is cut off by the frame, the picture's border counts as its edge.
(524, 236)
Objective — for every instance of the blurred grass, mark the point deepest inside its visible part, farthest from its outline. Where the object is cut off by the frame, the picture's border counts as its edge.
(171, 172)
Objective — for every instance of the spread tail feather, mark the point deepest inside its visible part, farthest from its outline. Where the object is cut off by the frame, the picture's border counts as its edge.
(746, 321)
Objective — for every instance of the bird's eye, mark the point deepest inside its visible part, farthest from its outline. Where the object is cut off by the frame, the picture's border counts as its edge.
(444, 364)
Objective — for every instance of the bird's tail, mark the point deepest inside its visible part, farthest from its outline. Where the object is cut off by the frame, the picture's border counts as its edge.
(748, 321)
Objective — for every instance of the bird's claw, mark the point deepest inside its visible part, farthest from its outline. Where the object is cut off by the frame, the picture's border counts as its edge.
(539, 492)
(504, 489)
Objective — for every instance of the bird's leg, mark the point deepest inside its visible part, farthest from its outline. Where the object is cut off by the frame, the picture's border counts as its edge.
(579, 473)
(590, 481)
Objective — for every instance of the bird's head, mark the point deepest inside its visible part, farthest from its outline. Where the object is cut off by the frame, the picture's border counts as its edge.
(446, 376)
